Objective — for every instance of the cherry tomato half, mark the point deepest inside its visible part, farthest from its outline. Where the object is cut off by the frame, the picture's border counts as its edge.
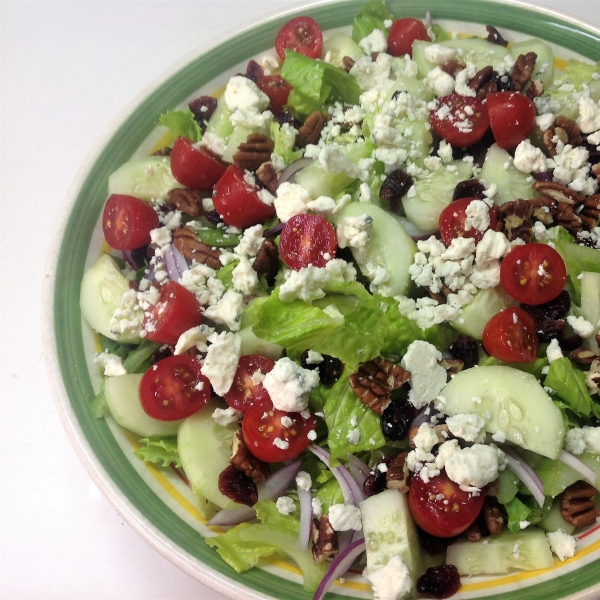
(302, 35)
(176, 311)
(174, 388)
(195, 167)
(237, 201)
(453, 222)
(275, 435)
(460, 120)
(510, 336)
(533, 273)
(440, 507)
(243, 391)
(277, 89)
(127, 222)
(403, 33)
(512, 118)
(307, 240)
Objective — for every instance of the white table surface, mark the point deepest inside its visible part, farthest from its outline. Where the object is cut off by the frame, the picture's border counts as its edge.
(68, 69)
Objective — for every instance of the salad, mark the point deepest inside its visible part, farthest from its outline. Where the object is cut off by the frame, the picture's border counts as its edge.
(354, 298)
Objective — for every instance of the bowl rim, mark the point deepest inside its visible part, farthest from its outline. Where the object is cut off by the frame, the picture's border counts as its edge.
(124, 507)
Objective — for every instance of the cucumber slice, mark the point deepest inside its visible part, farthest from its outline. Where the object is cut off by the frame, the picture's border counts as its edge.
(339, 45)
(390, 246)
(238, 136)
(219, 122)
(484, 306)
(123, 401)
(590, 304)
(544, 64)
(389, 531)
(527, 550)
(511, 401)
(147, 178)
(512, 184)
(433, 195)
(204, 448)
(557, 477)
(553, 520)
(254, 345)
(102, 288)
(318, 182)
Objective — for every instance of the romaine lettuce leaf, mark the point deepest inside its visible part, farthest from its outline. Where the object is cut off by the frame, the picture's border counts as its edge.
(181, 122)
(284, 139)
(580, 73)
(161, 451)
(244, 545)
(329, 494)
(372, 16)
(525, 508)
(138, 361)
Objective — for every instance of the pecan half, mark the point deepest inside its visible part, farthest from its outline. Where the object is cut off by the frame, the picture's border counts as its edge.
(187, 242)
(481, 78)
(453, 67)
(591, 210)
(577, 504)
(558, 192)
(267, 176)
(494, 36)
(583, 356)
(376, 380)
(491, 515)
(254, 152)
(311, 129)
(523, 69)
(237, 486)
(245, 461)
(187, 201)
(397, 476)
(267, 261)
(325, 540)
(571, 129)
(514, 218)
(544, 209)
(535, 90)
(568, 218)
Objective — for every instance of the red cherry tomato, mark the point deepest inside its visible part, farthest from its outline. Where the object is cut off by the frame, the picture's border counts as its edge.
(403, 33)
(263, 425)
(237, 201)
(453, 219)
(195, 167)
(244, 392)
(302, 35)
(440, 507)
(277, 89)
(533, 273)
(510, 336)
(174, 388)
(460, 120)
(512, 117)
(307, 240)
(176, 311)
(127, 222)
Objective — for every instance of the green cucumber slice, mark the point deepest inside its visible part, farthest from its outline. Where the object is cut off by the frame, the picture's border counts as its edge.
(553, 520)
(338, 45)
(557, 477)
(590, 304)
(251, 344)
(219, 123)
(510, 401)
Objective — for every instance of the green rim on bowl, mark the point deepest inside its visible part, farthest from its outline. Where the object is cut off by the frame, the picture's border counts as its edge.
(88, 204)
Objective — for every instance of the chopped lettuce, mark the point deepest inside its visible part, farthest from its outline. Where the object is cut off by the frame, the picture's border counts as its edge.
(535, 367)
(161, 451)
(525, 508)
(581, 73)
(218, 237)
(181, 122)
(569, 385)
(372, 16)
(99, 405)
(244, 545)
(329, 494)
(139, 360)
(284, 138)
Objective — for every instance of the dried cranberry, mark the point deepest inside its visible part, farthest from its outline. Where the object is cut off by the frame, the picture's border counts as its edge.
(330, 368)
(432, 544)
(550, 329)
(472, 188)
(396, 419)
(287, 117)
(203, 108)
(439, 582)
(465, 348)
(254, 71)
(376, 482)
(237, 486)
(213, 217)
(568, 344)
(557, 308)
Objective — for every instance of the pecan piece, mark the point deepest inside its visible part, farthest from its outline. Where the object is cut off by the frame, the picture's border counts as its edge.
(558, 192)
(514, 217)
(376, 380)
(596, 170)
(267, 260)
(592, 377)
(398, 476)
(311, 129)
(491, 515)
(474, 532)
(494, 36)
(481, 78)
(237, 486)
(453, 67)
(571, 129)
(254, 152)
(568, 218)
(591, 210)
(583, 356)
(523, 69)
(187, 242)
(348, 63)
(577, 504)
(267, 176)
(544, 209)
(535, 90)
(187, 201)
(245, 461)
(452, 366)
(324, 539)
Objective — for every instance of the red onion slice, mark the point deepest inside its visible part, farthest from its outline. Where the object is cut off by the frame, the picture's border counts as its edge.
(289, 172)
(270, 489)
(305, 498)
(274, 230)
(180, 260)
(542, 176)
(358, 469)
(521, 468)
(340, 566)
(171, 265)
(577, 465)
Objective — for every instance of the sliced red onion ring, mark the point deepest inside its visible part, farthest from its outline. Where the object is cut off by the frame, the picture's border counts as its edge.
(305, 498)
(289, 172)
(135, 258)
(270, 489)
(577, 465)
(521, 468)
(171, 265)
(352, 492)
(180, 261)
(340, 566)
(274, 230)
(542, 176)
(358, 469)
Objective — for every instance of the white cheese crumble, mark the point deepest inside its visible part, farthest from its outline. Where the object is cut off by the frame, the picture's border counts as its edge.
(529, 158)
(478, 216)
(376, 41)
(580, 326)
(285, 505)
(227, 311)
(345, 517)
(226, 416)
(250, 242)
(476, 466)
(438, 54)
(289, 384)
(291, 200)
(314, 358)
(111, 363)
(244, 277)
(391, 581)
(303, 481)
(589, 115)
(553, 352)
(427, 378)
(355, 232)
(317, 508)
(425, 438)
(562, 544)
(221, 360)
(196, 336)
(469, 427)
